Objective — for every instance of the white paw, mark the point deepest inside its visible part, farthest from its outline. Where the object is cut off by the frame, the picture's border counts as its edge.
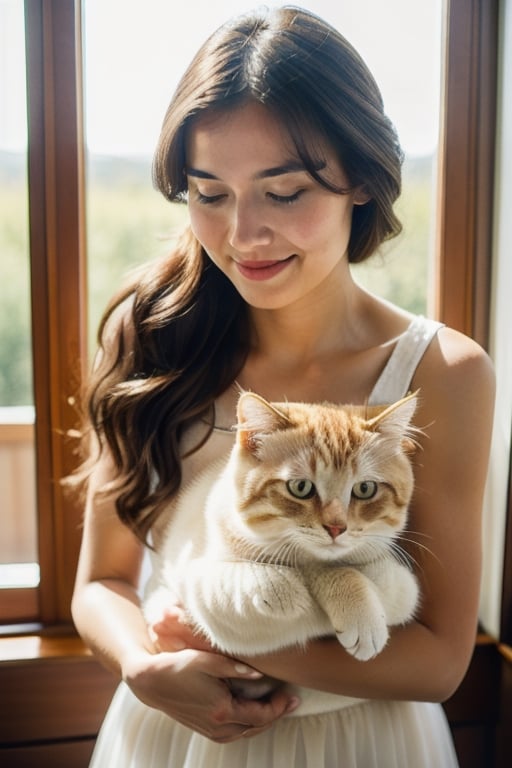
(281, 593)
(364, 641)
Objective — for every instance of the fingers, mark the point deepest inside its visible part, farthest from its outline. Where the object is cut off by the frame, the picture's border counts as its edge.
(167, 632)
(237, 717)
(260, 717)
(173, 633)
(276, 711)
(244, 671)
(199, 697)
(254, 712)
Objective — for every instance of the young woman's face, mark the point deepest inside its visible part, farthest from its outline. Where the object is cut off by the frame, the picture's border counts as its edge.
(273, 230)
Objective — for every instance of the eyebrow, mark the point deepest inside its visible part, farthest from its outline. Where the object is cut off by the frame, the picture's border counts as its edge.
(280, 170)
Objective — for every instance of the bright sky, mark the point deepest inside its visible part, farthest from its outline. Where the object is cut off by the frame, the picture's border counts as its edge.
(136, 52)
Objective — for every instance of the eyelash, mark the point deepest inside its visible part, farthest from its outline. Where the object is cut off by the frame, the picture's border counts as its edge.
(279, 199)
(286, 199)
(208, 199)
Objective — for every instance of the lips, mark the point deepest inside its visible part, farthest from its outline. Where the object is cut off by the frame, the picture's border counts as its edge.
(263, 270)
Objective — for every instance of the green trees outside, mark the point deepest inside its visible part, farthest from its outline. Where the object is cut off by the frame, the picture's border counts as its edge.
(15, 347)
(129, 223)
(400, 272)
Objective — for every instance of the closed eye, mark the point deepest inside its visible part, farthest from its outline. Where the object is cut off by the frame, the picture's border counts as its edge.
(208, 199)
(286, 199)
(279, 199)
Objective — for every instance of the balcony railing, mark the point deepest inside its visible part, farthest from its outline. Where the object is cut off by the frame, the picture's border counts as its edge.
(18, 542)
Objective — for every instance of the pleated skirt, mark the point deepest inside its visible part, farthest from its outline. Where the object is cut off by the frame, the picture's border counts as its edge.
(369, 734)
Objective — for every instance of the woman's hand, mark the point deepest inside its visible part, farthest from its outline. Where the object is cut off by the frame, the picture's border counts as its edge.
(189, 686)
(172, 632)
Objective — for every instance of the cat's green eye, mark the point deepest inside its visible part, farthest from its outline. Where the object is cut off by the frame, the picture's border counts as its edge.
(301, 489)
(365, 490)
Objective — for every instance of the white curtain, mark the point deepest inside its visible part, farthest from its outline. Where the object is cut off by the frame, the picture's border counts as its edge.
(501, 340)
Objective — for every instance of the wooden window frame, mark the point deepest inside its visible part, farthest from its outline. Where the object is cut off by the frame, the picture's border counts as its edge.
(57, 248)
(466, 167)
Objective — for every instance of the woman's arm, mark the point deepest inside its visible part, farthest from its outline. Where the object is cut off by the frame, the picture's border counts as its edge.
(188, 684)
(427, 659)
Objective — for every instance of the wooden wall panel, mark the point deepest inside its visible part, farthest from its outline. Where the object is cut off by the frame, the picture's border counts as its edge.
(65, 754)
(52, 699)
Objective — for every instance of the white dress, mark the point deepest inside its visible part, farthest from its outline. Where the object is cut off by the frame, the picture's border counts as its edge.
(326, 731)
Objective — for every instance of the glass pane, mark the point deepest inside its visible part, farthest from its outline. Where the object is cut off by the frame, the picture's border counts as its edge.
(128, 222)
(127, 94)
(18, 542)
(406, 61)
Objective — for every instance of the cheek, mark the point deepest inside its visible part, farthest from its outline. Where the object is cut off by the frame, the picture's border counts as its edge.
(325, 225)
(204, 226)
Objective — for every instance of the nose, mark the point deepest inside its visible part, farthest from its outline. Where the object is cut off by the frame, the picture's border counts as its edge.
(248, 229)
(335, 530)
(334, 518)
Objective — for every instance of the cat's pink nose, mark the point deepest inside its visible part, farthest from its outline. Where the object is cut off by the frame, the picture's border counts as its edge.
(335, 530)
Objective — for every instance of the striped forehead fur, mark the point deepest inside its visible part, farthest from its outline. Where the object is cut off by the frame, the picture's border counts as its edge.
(335, 434)
(339, 428)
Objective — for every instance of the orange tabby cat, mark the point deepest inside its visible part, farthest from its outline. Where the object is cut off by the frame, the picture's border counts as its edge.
(297, 537)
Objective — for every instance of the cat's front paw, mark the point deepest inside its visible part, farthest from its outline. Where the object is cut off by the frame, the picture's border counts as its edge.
(364, 642)
(279, 592)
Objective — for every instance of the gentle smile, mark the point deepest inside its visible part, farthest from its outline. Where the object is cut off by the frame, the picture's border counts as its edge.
(263, 270)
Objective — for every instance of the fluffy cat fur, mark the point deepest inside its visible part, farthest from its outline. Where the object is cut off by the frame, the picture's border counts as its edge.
(297, 537)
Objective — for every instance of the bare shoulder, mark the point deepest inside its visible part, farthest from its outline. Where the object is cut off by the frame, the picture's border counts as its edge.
(456, 386)
(455, 367)
(457, 349)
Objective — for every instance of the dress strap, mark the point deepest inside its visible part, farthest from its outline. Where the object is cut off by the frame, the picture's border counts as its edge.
(395, 380)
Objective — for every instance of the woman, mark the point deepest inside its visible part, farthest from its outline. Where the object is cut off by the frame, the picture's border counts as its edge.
(277, 138)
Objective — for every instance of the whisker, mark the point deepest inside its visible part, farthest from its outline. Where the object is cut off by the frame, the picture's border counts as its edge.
(402, 555)
(285, 553)
(412, 539)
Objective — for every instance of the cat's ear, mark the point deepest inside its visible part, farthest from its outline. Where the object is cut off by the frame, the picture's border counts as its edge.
(395, 420)
(256, 418)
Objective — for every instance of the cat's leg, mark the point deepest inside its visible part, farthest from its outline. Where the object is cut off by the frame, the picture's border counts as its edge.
(245, 605)
(248, 588)
(354, 608)
(397, 587)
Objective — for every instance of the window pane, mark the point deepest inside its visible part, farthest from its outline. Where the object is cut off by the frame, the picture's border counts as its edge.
(128, 222)
(127, 94)
(406, 61)
(18, 545)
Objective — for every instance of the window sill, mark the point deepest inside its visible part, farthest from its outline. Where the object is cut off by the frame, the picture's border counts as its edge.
(40, 646)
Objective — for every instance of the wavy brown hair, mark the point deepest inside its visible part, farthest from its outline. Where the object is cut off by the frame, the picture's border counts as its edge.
(185, 335)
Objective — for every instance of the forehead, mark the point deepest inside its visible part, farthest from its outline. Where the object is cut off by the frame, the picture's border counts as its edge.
(249, 132)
